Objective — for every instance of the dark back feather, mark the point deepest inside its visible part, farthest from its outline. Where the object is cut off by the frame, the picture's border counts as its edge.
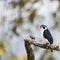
(48, 36)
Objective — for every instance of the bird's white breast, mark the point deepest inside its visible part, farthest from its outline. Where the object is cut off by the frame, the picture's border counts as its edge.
(44, 40)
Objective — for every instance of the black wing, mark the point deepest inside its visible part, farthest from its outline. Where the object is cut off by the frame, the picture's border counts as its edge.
(48, 36)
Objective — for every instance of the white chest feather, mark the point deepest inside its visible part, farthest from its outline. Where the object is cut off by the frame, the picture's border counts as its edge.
(44, 40)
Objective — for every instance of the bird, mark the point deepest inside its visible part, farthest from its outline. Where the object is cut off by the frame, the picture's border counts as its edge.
(46, 35)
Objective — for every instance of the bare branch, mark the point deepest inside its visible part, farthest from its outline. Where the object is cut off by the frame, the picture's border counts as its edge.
(30, 54)
(45, 46)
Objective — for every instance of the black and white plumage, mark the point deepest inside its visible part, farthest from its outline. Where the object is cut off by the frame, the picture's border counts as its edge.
(46, 34)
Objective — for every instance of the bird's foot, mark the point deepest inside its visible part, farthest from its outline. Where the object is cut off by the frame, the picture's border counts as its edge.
(47, 44)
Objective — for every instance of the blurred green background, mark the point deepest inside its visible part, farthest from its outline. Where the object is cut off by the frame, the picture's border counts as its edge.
(21, 18)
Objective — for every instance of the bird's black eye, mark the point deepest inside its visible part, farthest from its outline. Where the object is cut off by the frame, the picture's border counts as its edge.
(43, 27)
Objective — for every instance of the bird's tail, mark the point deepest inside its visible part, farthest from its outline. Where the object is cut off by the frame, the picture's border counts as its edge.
(51, 50)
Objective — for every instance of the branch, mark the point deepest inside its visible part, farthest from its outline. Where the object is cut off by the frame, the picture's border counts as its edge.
(30, 54)
(45, 46)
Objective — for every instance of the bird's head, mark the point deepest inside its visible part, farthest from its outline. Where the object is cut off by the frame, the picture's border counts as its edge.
(43, 27)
